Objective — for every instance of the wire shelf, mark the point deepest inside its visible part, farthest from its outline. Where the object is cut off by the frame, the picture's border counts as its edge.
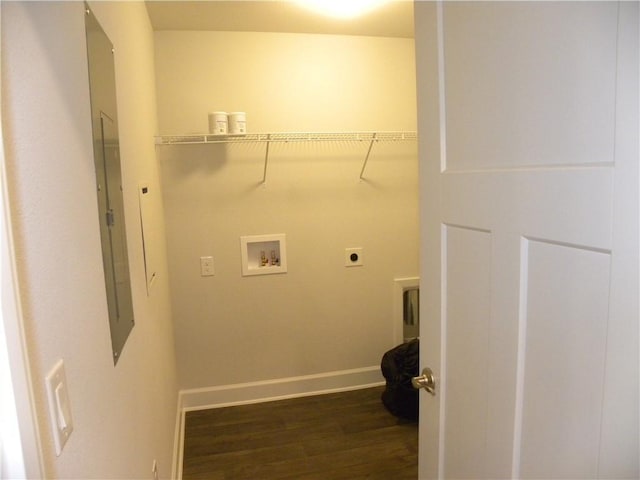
(287, 137)
(269, 138)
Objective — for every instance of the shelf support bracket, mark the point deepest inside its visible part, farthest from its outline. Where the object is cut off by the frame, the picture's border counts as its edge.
(266, 159)
(366, 159)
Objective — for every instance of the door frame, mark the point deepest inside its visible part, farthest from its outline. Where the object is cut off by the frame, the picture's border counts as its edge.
(17, 404)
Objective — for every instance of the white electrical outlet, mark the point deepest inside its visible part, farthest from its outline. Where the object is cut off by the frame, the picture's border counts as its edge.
(206, 266)
(353, 257)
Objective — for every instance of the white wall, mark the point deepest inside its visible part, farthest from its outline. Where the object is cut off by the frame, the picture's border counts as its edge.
(124, 416)
(320, 316)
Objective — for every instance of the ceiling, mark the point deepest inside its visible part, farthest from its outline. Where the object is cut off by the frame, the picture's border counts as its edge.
(392, 20)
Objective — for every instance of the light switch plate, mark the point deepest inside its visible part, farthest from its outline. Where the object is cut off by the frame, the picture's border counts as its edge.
(206, 266)
(59, 407)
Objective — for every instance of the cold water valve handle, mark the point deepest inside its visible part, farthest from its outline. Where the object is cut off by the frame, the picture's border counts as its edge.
(427, 381)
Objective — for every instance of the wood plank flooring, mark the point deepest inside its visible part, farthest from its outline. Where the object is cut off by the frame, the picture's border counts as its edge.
(337, 436)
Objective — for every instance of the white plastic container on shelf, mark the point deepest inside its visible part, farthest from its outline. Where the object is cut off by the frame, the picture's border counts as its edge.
(237, 123)
(218, 123)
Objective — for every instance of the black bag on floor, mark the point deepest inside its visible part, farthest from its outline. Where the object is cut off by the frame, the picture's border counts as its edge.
(399, 365)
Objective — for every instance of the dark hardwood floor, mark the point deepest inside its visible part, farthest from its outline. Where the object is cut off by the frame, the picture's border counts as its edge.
(347, 435)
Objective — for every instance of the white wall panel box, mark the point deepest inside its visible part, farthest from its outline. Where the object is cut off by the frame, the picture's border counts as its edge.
(263, 254)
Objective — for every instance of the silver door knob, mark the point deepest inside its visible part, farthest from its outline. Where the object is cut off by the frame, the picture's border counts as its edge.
(426, 381)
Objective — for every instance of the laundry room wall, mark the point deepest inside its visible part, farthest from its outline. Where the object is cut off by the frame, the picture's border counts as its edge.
(124, 415)
(320, 318)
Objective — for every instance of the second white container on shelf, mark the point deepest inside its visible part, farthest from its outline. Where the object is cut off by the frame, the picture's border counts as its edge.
(237, 123)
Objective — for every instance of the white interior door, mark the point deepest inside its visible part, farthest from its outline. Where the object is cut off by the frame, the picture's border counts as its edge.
(528, 138)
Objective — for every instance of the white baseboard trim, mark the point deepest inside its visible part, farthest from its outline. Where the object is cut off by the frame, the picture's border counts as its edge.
(279, 389)
(178, 444)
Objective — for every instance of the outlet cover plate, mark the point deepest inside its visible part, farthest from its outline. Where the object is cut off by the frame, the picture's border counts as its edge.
(353, 257)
